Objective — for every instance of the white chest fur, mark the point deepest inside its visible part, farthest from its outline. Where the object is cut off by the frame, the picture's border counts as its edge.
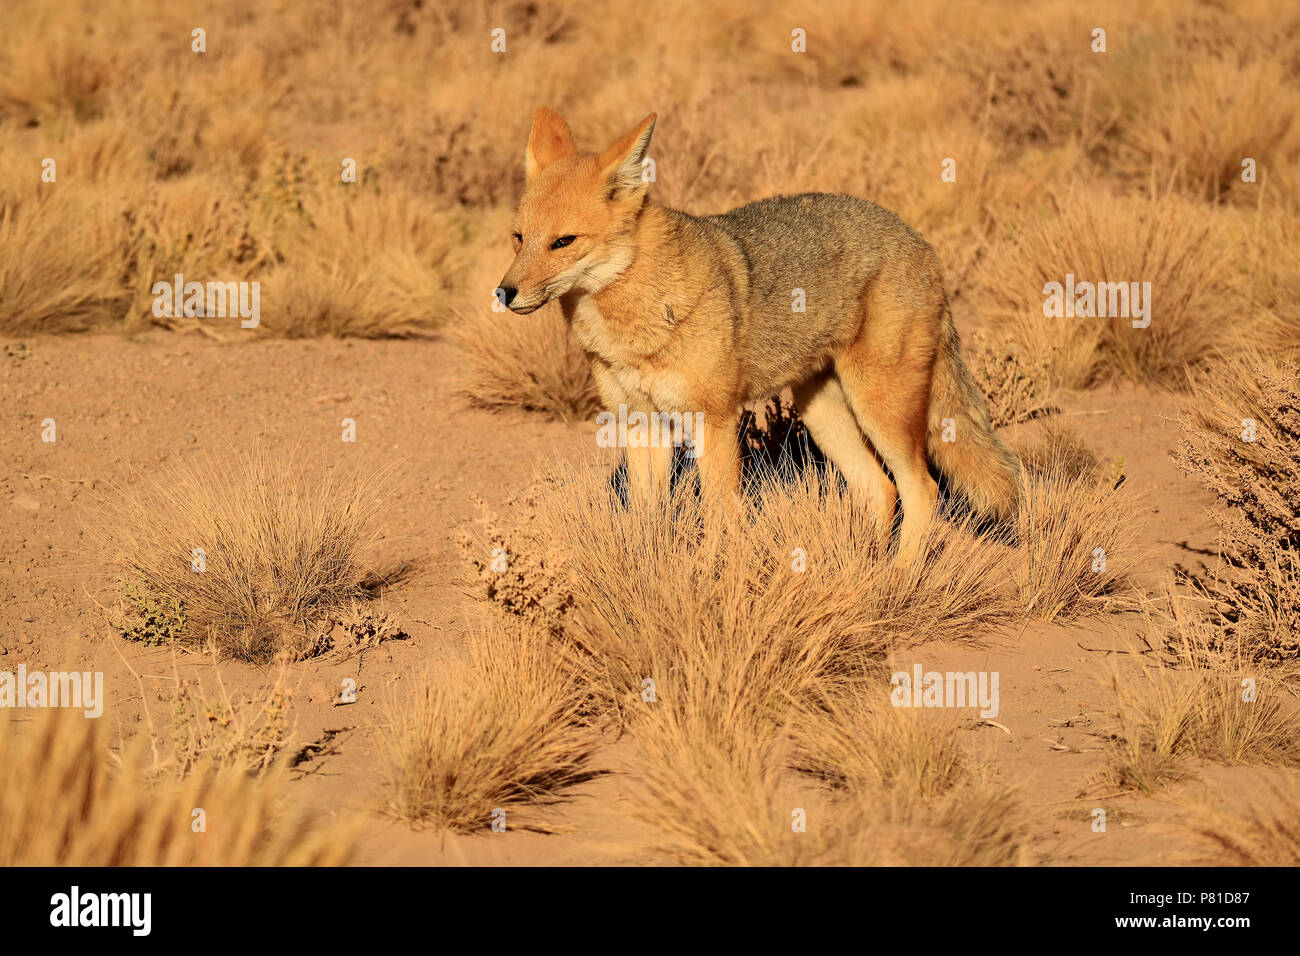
(635, 372)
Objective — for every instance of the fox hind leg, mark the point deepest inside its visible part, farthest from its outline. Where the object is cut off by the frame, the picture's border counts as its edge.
(886, 374)
(825, 410)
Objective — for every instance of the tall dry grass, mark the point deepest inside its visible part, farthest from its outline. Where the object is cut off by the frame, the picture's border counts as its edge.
(804, 573)
(1096, 237)
(1266, 832)
(1079, 545)
(227, 163)
(84, 802)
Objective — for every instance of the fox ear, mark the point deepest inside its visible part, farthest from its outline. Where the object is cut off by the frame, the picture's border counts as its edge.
(621, 163)
(549, 140)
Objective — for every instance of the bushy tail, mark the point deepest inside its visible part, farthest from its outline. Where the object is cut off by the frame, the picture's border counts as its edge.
(961, 439)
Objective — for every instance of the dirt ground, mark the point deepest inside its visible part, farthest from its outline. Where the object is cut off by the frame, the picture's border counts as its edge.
(126, 406)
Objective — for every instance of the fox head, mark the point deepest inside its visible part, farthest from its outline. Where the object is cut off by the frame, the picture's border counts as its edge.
(574, 225)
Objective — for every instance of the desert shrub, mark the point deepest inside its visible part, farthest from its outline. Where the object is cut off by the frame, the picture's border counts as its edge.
(1017, 386)
(217, 731)
(151, 619)
(1241, 441)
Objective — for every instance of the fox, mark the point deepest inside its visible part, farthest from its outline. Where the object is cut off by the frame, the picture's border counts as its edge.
(830, 296)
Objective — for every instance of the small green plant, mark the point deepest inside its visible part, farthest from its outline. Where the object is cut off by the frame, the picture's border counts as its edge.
(145, 616)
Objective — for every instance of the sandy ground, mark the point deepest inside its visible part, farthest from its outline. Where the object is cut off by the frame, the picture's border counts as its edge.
(124, 406)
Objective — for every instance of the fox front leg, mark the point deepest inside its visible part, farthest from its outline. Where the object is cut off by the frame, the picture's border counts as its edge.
(649, 471)
(649, 464)
(718, 456)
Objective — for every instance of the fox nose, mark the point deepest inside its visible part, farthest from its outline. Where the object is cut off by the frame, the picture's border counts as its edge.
(506, 294)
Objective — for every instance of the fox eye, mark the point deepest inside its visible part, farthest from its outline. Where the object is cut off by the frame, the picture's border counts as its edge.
(516, 237)
(562, 242)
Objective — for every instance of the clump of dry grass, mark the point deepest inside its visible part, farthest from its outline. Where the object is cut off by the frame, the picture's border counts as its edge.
(979, 822)
(1241, 441)
(1202, 119)
(503, 731)
(1204, 702)
(1078, 544)
(82, 804)
(805, 571)
(1266, 832)
(859, 741)
(717, 782)
(529, 362)
(709, 775)
(73, 242)
(1058, 449)
(1101, 238)
(366, 263)
(279, 551)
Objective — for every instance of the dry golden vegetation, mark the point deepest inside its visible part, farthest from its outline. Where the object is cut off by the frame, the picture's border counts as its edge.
(1079, 545)
(745, 657)
(752, 676)
(500, 732)
(1202, 702)
(226, 164)
(1242, 442)
(1267, 833)
(85, 802)
(246, 554)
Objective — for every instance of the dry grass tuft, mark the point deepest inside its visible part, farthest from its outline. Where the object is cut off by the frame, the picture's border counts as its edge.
(280, 552)
(804, 573)
(1265, 833)
(860, 741)
(1078, 542)
(1058, 449)
(1204, 702)
(505, 731)
(717, 784)
(529, 362)
(1099, 238)
(82, 804)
